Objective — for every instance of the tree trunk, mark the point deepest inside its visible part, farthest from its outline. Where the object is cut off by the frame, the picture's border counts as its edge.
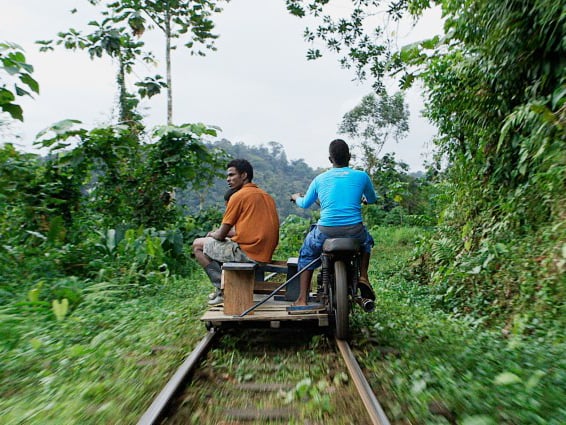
(122, 97)
(168, 65)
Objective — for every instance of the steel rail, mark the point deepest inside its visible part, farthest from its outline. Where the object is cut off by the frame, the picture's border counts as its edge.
(157, 408)
(376, 413)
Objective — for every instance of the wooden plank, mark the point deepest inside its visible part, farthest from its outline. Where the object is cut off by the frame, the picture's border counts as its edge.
(270, 315)
(272, 310)
(277, 268)
(239, 266)
(266, 287)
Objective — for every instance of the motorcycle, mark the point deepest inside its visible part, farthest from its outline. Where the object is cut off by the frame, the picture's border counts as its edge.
(338, 282)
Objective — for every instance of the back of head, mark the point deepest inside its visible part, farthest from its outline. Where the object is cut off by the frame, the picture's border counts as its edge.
(242, 166)
(228, 194)
(339, 152)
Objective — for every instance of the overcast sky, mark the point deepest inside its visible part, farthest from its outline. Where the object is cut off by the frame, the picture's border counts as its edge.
(258, 87)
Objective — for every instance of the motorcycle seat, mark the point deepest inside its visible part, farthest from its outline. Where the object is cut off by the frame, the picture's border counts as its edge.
(341, 244)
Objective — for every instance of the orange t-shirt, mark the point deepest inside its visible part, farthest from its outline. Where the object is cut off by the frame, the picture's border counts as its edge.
(254, 214)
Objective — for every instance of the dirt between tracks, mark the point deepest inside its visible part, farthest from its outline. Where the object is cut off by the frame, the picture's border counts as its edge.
(271, 377)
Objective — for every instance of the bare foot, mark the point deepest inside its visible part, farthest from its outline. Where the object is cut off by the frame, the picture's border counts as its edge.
(299, 302)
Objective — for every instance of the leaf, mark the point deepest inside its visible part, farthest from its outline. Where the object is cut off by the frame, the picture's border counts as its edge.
(6, 96)
(506, 378)
(33, 295)
(302, 387)
(340, 378)
(478, 420)
(558, 95)
(35, 343)
(407, 80)
(418, 386)
(22, 92)
(14, 110)
(475, 270)
(37, 234)
(111, 240)
(30, 82)
(60, 308)
(59, 127)
(534, 379)
(60, 145)
(431, 43)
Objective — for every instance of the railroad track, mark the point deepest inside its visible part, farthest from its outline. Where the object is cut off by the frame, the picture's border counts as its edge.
(263, 381)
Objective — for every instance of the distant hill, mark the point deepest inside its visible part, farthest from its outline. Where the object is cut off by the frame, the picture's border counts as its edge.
(272, 172)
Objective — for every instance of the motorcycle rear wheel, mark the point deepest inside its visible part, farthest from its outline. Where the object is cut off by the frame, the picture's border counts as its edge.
(341, 300)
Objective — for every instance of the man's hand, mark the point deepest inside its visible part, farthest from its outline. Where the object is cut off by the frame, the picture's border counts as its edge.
(295, 196)
(215, 235)
(221, 233)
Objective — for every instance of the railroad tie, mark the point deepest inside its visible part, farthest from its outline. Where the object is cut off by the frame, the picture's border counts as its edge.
(250, 414)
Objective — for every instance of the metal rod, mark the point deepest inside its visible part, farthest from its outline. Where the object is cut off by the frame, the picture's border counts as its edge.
(253, 307)
(157, 408)
(376, 413)
(269, 276)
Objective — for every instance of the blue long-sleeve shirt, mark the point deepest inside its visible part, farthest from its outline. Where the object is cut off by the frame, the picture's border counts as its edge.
(340, 192)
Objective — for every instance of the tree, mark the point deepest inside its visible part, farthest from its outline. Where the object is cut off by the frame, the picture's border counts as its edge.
(114, 41)
(373, 122)
(495, 86)
(175, 19)
(401, 196)
(128, 182)
(177, 160)
(362, 46)
(17, 72)
(272, 172)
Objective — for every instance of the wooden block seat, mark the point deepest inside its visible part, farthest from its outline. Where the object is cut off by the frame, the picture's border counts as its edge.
(238, 283)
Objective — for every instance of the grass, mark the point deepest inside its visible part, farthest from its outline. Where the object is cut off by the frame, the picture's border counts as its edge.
(105, 362)
(431, 367)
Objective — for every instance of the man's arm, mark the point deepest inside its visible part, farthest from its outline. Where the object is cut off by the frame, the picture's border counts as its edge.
(305, 201)
(221, 233)
(369, 192)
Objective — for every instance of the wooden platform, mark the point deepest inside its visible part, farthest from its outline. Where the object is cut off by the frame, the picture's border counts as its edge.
(273, 311)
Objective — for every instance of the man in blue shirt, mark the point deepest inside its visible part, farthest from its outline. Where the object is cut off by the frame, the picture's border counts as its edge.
(340, 192)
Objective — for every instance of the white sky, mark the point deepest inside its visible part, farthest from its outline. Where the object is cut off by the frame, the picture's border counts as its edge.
(258, 87)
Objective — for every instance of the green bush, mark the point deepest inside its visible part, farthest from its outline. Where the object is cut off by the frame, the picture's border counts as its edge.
(292, 232)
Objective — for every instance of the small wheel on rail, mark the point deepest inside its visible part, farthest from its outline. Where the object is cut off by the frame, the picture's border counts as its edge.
(342, 304)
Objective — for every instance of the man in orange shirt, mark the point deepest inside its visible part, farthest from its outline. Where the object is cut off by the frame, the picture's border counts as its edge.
(249, 231)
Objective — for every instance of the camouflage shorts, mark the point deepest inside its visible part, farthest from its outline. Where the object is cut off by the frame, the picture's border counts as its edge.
(225, 251)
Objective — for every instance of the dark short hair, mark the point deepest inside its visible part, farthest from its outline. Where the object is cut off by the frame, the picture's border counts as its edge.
(242, 166)
(339, 152)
